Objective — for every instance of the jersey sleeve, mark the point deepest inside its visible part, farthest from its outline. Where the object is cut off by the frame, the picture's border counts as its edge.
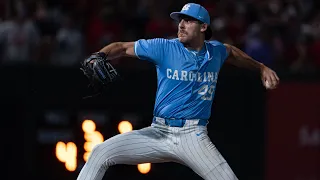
(152, 50)
(222, 49)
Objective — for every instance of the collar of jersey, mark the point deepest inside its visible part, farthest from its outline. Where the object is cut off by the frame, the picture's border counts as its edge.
(204, 50)
(201, 52)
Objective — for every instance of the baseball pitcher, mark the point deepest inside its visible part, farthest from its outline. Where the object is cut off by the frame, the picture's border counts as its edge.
(187, 73)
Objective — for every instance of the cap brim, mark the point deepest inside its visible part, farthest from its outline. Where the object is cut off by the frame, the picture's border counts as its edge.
(175, 15)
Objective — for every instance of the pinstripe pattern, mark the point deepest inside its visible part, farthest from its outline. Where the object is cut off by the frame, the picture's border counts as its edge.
(157, 144)
(200, 154)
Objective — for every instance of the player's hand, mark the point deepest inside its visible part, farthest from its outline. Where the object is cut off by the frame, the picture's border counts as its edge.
(269, 78)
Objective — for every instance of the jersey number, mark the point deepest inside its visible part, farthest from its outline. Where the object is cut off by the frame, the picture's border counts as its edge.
(206, 92)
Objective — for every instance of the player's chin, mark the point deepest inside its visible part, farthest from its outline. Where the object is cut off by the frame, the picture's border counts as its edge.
(182, 39)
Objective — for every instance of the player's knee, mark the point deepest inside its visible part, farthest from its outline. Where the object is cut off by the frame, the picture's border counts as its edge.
(97, 148)
(100, 153)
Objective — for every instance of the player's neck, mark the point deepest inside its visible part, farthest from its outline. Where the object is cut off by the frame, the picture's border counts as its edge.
(195, 45)
(194, 48)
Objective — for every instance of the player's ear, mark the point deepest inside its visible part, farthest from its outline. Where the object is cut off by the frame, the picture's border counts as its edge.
(203, 27)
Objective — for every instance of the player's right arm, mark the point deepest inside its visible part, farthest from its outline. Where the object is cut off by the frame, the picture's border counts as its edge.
(119, 49)
(152, 50)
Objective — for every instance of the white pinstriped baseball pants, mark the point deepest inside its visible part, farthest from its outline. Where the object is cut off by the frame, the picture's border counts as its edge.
(188, 145)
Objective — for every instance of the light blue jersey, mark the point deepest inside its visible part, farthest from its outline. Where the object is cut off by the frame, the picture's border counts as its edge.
(186, 79)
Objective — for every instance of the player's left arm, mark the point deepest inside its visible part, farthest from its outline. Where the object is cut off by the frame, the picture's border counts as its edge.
(240, 59)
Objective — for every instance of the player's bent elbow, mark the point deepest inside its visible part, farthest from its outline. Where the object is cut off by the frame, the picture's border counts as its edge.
(129, 48)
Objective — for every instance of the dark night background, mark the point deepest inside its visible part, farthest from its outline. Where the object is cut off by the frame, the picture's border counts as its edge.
(264, 135)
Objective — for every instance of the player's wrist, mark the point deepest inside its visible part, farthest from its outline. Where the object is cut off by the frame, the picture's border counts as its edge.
(101, 54)
(261, 67)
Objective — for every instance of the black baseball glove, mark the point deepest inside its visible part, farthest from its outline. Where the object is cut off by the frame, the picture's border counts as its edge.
(99, 70)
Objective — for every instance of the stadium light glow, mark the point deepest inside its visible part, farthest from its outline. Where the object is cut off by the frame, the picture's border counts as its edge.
(144, 168)
(124, 126)
(67, 153)
(91, 136)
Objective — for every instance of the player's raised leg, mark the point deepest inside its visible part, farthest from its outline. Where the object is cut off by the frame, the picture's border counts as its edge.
(135, 147)
(202, 156)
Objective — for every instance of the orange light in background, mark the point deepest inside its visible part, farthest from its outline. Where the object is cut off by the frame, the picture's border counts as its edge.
(91, 136)
(61, 151)
(67, 153)
(86, 156)
(71, 163)
(144, 168)
(124, 126)
(88, 126)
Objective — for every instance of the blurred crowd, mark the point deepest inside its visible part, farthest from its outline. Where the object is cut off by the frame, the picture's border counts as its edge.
(283, 34)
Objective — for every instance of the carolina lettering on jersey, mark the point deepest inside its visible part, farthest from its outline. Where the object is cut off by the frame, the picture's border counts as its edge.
(192, 76)
(186, 78)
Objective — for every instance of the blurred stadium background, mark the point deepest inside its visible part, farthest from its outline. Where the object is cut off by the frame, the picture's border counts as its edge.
(48, 127)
